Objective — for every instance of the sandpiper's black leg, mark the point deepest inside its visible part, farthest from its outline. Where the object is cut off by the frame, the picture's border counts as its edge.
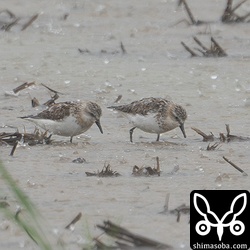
(158, 137)
(131, 133)
(71, 137)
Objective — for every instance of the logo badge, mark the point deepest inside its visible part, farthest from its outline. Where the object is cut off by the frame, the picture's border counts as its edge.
(219, 217)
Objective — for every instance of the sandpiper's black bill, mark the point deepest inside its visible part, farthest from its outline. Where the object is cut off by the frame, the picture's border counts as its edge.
(99, 126)
(183, 130)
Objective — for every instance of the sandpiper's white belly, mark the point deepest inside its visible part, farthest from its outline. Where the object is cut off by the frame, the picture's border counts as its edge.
(149, 123)
(65, 127)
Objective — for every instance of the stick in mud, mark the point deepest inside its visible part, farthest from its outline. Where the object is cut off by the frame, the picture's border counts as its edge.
(236, 167)
(123, 234)
(123, 49)
(23, 86)
(77, 218)
(188, 49)
(13, 148)
(31, 20)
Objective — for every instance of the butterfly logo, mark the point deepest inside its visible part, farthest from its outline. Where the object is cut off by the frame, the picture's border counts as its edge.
(203, 227)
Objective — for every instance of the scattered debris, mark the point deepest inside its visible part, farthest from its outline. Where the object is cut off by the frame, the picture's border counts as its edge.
(190, 15)
(73, 222)
(30, 21)
(223, 138)
(123, 49)
(15, 91)
(147, 171)
(229, 15)
(104, 51)
(4, 204)
(11, 20)
(235, 166)
(213, 146)
(79, 160)
(215, 49)
(23, 86)
(51, 101)
(106, 172)
(10, 138)
(126, 239)
(182, 209)
(37, 137)
(119, 97)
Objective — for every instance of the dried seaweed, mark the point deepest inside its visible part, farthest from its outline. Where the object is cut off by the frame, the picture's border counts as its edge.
(37, 137)
(215, 49)
(105, 172)
(222, 137)
(147, 171)
(126, 239)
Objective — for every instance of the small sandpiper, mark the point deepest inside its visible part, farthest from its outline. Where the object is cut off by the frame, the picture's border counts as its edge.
(154, 115)
(68, 118)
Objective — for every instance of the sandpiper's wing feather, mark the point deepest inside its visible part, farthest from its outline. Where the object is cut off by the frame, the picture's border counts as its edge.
(144, 106)
(55, 112)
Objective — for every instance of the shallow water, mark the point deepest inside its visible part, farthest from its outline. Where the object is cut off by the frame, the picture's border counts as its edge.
(214, 91)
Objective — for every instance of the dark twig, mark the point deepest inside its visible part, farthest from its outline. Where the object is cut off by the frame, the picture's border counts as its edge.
(73, 222)
(236, 167)
(213, 146)
(123, 49)
(52, 90)
(23, 86)
(106, 172)
(205, 137)
(31, 20)
(13, 149)
(119, 97)
(188, 49)
(123, 234)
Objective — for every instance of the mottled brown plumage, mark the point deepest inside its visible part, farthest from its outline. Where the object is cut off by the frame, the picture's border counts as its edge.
(68, 118)
(154, 115)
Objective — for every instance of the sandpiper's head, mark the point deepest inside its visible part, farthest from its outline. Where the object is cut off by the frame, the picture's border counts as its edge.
(96, 112)
(180, 115)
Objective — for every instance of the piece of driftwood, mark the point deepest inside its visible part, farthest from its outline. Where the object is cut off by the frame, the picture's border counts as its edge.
(235, 166)
(147, 171)
(105, 172)
(127, 240)
(229, 15)
(222, 137)
(215, 49)
(23, 86)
